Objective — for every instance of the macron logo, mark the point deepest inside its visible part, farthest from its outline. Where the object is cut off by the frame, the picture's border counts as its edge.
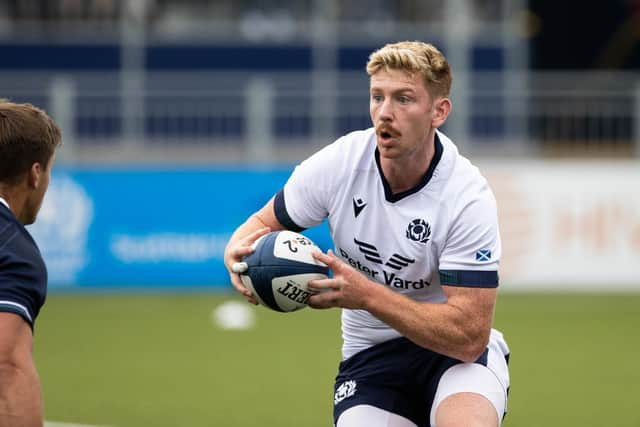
(358, 206)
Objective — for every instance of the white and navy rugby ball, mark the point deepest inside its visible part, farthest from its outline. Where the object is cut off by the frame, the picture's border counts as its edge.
(279, 269)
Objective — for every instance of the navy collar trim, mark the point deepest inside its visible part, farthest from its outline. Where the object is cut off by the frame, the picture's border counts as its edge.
(388, 194)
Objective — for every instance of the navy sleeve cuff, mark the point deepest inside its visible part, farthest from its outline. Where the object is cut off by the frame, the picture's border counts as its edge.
(469, 278)
(280, 209)
(19, 309)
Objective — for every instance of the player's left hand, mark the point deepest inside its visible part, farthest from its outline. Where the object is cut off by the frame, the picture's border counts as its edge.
(233, 256)
(347, 289)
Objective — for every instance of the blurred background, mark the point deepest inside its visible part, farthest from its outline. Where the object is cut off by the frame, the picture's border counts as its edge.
(180, 118)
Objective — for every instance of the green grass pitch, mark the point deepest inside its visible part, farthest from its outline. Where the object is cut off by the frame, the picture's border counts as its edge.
(157, 360)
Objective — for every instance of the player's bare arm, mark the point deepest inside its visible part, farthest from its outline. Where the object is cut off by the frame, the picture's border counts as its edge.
(239, 245)
(20, 398)
(459, 328)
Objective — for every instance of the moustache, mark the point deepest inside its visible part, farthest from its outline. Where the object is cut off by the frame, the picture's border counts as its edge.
(384, 128)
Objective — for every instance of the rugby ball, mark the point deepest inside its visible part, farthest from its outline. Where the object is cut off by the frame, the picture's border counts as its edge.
(278, 270)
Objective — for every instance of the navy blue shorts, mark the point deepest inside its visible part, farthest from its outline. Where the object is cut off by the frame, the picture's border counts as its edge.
(396, 375)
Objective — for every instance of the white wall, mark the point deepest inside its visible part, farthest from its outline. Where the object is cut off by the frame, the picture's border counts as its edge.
(568, 225)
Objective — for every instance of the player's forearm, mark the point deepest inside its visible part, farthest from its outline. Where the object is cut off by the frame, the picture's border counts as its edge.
(443, 328)
(253, 223)
(20, 396)
(265, 217)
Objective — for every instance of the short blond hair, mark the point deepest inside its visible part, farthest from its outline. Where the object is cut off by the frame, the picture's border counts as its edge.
(415, 57)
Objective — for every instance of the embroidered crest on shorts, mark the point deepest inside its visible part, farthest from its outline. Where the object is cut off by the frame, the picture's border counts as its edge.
(346, 389)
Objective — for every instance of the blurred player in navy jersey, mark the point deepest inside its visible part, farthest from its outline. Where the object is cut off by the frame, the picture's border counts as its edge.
(28, 140)
(417, 247)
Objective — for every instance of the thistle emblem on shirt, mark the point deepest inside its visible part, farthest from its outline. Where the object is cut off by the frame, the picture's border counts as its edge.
(419, 231)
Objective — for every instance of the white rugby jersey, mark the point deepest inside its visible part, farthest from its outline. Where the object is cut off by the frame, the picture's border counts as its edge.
(445, 230)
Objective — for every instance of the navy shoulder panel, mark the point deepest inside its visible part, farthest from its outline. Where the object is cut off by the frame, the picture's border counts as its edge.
(23, 274)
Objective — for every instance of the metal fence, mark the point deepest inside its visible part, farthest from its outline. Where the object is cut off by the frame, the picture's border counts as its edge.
(211, 117)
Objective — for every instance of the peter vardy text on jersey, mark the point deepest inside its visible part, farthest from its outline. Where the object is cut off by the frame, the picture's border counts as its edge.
(390, 279)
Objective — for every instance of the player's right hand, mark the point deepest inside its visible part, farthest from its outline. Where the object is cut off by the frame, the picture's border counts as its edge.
(233, 256)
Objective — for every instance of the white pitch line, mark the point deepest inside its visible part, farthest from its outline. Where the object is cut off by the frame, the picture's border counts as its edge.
(59, 424)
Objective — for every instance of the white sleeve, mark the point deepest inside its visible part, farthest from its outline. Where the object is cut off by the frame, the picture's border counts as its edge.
(307, 194)
(472, 251)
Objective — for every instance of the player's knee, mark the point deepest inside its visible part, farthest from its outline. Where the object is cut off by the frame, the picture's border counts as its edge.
(466, 410)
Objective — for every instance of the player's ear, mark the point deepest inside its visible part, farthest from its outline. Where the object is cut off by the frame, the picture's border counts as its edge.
(34, 175)
(441, 110)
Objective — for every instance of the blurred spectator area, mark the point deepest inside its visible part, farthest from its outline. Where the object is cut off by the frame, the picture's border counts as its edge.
(165, 12)
(256, 21)
(271, 80)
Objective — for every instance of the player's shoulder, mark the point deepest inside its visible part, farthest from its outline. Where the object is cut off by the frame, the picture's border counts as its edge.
(354, 143)
(13, 233)
(465, 181)
(23, 274)
(347, 151)
(10, 229)
(357, 136)
(17, 247)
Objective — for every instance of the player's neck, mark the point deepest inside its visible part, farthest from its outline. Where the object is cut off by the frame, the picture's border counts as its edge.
(405, 173)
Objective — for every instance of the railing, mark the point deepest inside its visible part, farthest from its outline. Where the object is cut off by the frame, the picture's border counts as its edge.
(278, 117)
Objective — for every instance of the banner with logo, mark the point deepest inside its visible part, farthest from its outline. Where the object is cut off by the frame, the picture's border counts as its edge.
(564, 225)
(568, 225)
(148, 228)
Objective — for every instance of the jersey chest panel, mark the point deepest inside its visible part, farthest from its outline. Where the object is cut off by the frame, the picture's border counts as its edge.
(395, 244)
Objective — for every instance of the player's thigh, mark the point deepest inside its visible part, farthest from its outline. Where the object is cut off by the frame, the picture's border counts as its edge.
(468, 392)
(370, 416)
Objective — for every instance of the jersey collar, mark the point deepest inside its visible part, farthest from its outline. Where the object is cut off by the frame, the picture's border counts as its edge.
(4, 202)
(425, 179)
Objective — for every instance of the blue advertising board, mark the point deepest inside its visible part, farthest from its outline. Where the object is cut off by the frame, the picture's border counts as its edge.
(149, 228)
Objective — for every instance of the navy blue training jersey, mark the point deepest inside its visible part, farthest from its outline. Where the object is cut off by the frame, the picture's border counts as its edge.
(23, 274)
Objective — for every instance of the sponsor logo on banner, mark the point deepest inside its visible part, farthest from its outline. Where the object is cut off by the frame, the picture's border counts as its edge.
(62, 229)
(168, 247)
